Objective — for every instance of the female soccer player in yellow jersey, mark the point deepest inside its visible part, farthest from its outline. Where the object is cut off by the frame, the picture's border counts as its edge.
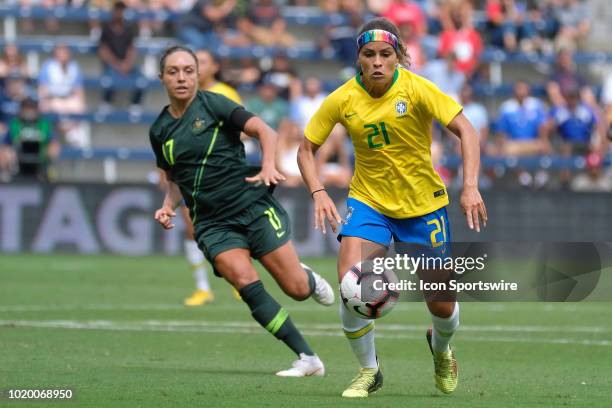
(395, 191)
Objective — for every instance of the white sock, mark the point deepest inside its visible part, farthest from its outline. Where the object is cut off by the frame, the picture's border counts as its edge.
(360, 335)
(443, 330)
(196, 260)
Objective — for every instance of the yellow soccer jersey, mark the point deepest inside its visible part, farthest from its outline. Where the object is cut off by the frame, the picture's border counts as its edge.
(392, 139)
(226, 91)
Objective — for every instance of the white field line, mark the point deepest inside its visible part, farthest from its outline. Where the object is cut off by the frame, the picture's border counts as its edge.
(588, 307)
(241, 327)
(392, 327)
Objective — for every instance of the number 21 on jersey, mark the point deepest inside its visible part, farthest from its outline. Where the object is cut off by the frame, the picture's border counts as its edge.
(374, 136)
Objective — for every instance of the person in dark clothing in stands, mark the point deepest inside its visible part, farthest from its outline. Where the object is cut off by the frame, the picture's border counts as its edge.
(118, 55)
(29, 144)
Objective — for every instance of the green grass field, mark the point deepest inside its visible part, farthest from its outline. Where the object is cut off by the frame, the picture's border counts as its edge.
(113, 329)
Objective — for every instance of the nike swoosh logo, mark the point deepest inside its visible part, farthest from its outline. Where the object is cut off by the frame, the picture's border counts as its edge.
(280, 234)
(349, 115)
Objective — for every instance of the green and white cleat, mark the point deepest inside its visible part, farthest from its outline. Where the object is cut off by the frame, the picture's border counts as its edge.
(445, 368)
(368, 381)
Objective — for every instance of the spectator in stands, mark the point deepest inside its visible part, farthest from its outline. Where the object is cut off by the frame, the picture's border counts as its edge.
(118, 54)
(406, 12)
(268, 105)
(15, 90)
(606, 99)
(334, 159)
(574, 25)
(594, 179)
(264, 25)
(442, 72)
(97, 7)
(51, 22)
(339, 39)
(504, 18)
(12, 62)
(289, 139)
(412, 42)
(461, 38)
(522, 130)
(521, 25)
(60, 90)
(437, 153)
(211, 23)
(29, 145)
(575, 122)
(564, 78)
(539, 27)
(521, 125)
(435, 12)
(378, 6)
(246, 75)
(478, 117)
(306, 103)
(283, 76)
(147, 23)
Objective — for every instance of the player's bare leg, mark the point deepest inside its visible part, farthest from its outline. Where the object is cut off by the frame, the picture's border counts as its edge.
(296, 279)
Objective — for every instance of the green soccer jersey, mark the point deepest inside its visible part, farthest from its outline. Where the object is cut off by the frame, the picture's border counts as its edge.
(204, 156)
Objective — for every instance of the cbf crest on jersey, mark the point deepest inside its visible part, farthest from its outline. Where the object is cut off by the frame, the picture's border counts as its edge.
(197, 126)
(401, 108)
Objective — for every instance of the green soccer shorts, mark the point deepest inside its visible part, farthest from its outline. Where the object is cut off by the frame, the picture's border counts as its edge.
(262, 227)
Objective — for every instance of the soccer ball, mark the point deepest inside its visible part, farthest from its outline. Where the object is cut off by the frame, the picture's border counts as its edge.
(360, 296)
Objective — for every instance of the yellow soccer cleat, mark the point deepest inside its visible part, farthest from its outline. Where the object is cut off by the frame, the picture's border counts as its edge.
(368, 381)
(199, 298)
(236, 294)
(445, 368)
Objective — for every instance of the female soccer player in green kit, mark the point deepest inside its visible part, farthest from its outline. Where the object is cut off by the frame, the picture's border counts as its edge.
(196, 141)
(395, 191)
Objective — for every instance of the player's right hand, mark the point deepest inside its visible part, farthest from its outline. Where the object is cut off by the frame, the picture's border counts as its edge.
(164, 216)
(325, 209)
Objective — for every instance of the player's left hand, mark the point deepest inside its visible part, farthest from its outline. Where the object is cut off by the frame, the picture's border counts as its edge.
(268, 175)
(474, 208)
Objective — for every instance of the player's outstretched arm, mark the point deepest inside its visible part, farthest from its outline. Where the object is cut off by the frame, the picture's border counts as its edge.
(172, 199)
(255, 127)
(324, 207)
(471, 201)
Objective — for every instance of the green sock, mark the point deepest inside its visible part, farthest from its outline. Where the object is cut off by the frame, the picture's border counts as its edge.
(273, 317)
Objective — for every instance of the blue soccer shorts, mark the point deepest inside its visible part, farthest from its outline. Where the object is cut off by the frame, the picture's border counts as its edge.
(431, 231)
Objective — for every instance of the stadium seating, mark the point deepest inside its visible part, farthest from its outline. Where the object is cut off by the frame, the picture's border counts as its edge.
(134, 142)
